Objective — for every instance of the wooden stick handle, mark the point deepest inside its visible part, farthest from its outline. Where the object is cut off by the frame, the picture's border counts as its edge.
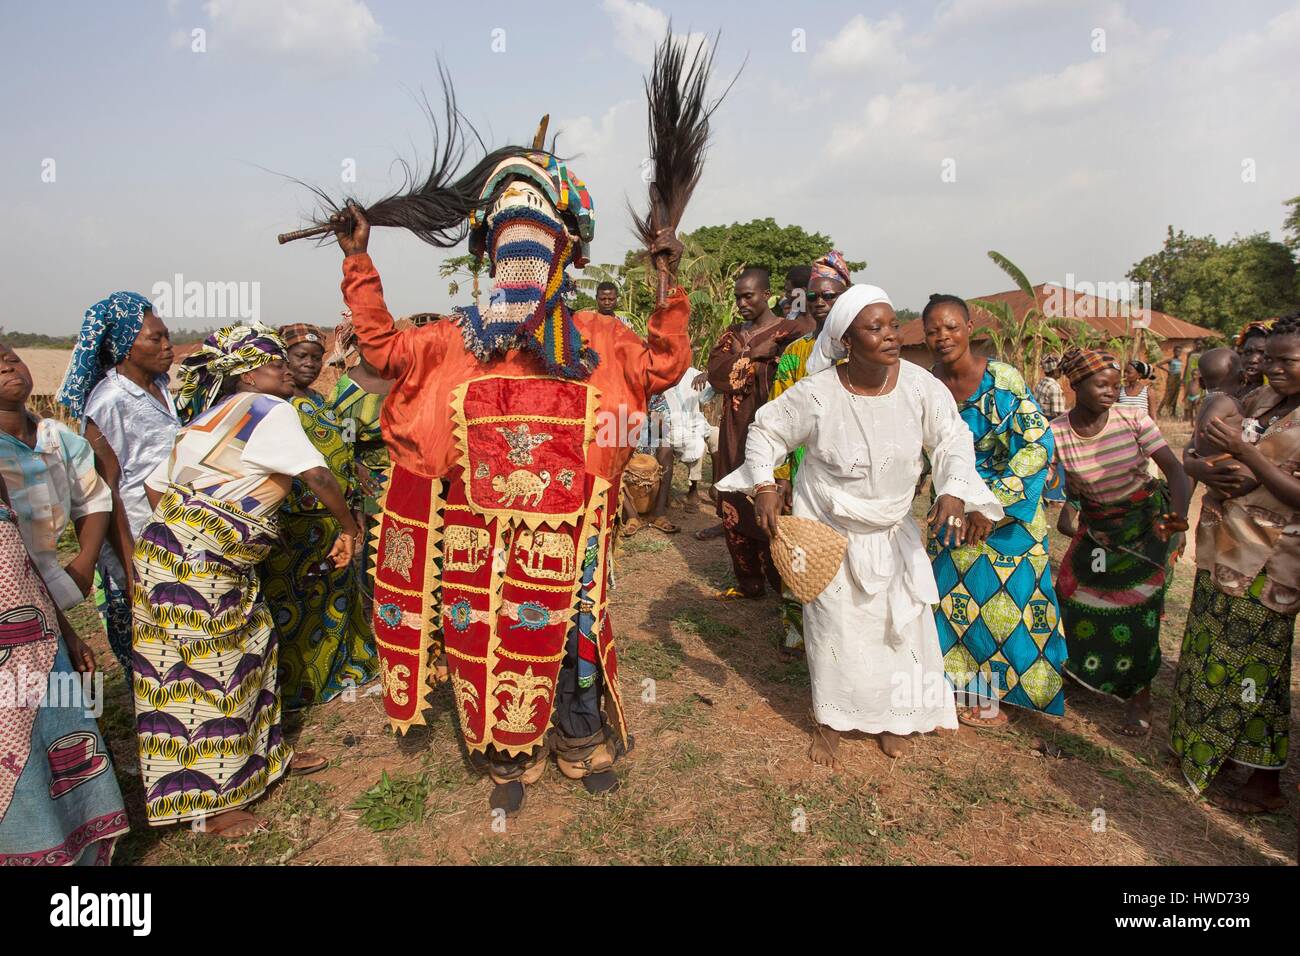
(303, 233)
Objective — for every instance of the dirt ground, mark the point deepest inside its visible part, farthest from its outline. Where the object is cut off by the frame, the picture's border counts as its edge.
(719, 773)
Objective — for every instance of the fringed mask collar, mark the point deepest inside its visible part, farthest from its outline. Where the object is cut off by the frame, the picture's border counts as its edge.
(529, 249)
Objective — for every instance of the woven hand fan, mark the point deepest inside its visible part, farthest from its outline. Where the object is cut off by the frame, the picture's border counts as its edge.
(808, 554)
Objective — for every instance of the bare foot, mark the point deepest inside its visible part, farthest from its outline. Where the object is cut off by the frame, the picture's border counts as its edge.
(893, 745)
(1137, 715)
(1259, 794)
(825, 747)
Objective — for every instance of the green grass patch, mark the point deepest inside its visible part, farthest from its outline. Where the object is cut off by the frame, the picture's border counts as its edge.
(393, 802)
(658, 658)
(704, 625)
(645, 544)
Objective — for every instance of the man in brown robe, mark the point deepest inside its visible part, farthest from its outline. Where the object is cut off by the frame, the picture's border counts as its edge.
(741, 367)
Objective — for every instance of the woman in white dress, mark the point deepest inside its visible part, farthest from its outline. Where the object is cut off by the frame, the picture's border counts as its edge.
(872, 646)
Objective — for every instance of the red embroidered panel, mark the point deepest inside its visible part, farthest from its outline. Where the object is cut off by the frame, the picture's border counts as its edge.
(402, 562)
(525, 446)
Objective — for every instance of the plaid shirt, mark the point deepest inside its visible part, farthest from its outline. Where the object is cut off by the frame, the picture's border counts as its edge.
(1051, 399)
(50, 486)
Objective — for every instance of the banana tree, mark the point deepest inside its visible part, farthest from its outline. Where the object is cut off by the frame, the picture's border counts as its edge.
(1023, 341)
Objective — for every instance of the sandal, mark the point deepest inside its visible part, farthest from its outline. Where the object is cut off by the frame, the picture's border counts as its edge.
(305, 762)
(663, 524)
(969, 717)
(735, 594)
(630, 527)
(232, 824)
(1136, 728)
(1235, 804)
(711, 532)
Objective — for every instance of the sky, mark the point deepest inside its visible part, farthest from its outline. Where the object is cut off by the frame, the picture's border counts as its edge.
(918, 136)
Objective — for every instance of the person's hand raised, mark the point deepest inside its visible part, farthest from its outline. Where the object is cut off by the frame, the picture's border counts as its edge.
(351, 229)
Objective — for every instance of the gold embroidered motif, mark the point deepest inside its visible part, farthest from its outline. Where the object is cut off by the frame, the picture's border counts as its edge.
(565, 478)
(399, 551)
(466, 694)
(474, 542)
(522, 443)
(481, 471)
(396, 681)
(524, 690)
(537, 546)
(521, 484)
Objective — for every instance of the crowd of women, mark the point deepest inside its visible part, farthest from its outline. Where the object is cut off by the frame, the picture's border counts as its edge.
(845, 434)
(221, 524)
(225, 526)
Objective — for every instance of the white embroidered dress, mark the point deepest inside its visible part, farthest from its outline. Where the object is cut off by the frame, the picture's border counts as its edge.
(870, 637)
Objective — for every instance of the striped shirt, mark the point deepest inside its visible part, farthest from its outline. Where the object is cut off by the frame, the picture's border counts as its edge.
(1142, 399)
(1111, 465)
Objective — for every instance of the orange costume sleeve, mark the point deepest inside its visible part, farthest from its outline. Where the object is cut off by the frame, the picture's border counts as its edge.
(429, 362)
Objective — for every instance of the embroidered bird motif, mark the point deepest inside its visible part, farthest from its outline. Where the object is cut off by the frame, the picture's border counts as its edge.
(522, 443)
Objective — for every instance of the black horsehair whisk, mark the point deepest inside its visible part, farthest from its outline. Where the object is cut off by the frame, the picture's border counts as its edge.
(679, 111)
(436, 207)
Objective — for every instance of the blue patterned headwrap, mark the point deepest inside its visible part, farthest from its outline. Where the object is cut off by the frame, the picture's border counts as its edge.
(107, 333)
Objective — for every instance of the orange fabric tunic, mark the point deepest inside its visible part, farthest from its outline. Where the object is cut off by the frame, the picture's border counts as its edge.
(429, 362)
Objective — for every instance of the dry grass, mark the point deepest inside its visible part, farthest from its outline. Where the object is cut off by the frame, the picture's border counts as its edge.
(719, 773)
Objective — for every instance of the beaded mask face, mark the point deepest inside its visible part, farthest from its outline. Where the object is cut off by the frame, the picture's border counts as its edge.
(529, 249)
(529, 246)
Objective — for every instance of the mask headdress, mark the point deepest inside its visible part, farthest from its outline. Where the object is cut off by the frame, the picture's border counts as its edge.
(541, 220)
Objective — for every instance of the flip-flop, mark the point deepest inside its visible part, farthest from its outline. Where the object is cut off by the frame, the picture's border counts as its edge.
(1143, 728)
(735, 594)
(663, 524)
(250, 826)
(709, 533)
(1248, 807)
(964, 717)
(314, 764)
(630, 528)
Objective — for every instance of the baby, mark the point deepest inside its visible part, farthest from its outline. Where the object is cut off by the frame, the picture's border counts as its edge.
(1221, 377)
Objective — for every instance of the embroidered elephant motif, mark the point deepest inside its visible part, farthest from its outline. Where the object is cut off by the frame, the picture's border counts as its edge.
(473, 542)
(537, 546)
(523, 485)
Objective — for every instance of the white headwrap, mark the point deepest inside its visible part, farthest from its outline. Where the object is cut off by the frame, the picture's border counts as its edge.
(828, 350)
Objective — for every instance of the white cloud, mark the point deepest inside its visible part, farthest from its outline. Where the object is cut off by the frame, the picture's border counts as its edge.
(326, 33)
(864, 46)
(960, 14)
(639, 27)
